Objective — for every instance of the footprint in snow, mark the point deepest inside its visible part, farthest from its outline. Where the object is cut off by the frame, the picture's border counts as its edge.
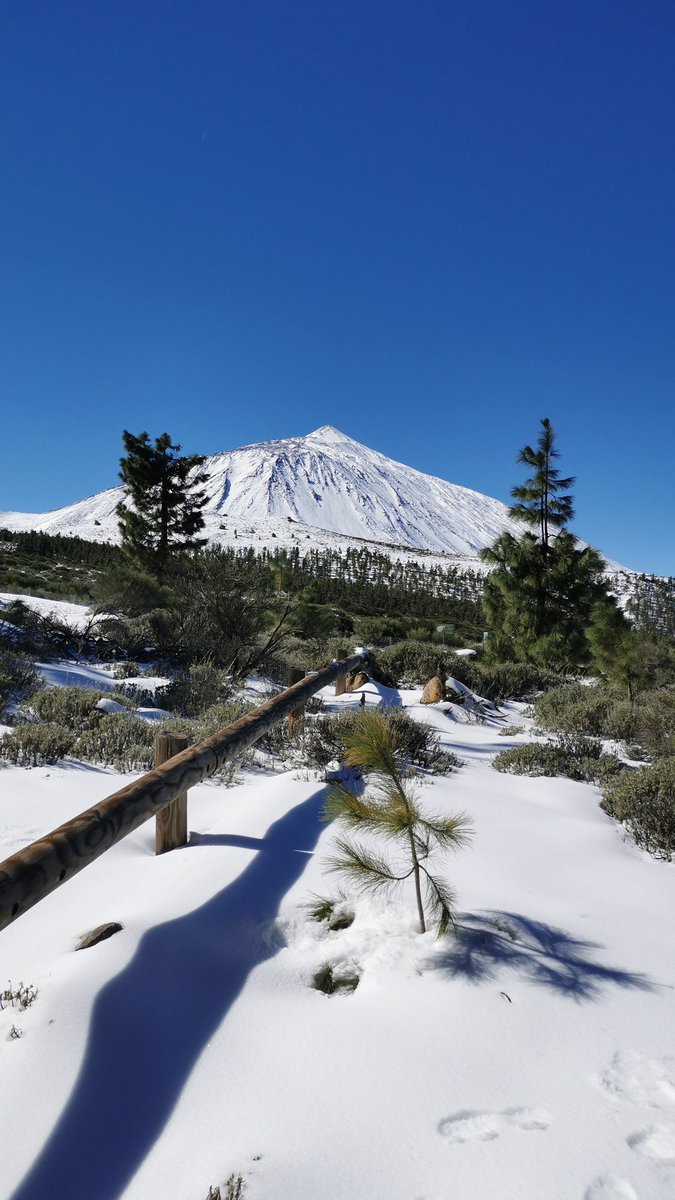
(637, 1080)
(608, 1187)
(656, 1142)
(467, 1126)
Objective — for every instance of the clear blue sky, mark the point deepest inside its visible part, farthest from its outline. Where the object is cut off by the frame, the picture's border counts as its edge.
(429, 223)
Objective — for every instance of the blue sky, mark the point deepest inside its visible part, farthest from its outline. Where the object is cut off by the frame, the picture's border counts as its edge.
(429, 223)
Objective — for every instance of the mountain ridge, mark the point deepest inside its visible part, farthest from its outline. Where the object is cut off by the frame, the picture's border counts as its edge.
(327, 485)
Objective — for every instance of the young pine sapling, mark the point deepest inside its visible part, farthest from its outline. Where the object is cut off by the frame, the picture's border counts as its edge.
(389, 811)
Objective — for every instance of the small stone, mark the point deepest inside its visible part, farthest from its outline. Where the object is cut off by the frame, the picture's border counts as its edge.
(99, 934)
(434, 691)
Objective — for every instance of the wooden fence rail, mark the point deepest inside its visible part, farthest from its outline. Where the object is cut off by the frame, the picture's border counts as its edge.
(29, 876)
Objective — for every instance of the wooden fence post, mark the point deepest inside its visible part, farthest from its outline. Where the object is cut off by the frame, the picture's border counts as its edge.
(294, 676)
(171, 829)
(340, 680)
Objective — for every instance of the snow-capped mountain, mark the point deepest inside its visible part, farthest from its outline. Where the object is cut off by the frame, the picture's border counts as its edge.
(324, 487)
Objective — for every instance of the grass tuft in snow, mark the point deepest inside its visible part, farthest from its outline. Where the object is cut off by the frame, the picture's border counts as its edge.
(331, 910)
(330, 979)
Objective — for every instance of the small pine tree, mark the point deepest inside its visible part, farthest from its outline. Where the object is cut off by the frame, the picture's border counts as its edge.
(389, 811)
(164, 488)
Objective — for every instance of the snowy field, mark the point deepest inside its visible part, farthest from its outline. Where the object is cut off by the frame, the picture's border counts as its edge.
(533, 1058)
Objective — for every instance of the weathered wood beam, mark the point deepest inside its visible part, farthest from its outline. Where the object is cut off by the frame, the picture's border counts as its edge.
(171, 823)
(29, 876)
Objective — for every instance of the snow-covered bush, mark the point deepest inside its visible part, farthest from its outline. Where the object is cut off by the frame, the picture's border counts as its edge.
(644, 801)
(37, 744)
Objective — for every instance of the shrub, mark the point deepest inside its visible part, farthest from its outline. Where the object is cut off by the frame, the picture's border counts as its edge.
(415, 743)
(72, 706)
(509, 681)
(126, 670)
(576, 757)
(644, 801)
(40, 744)
(120, 741)
(219, 715)
(19, 678)
(194, 690)
(409, 664)
(574, 708)
(654, 722)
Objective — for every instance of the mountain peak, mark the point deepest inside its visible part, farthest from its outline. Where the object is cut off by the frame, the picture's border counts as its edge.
(327, 434)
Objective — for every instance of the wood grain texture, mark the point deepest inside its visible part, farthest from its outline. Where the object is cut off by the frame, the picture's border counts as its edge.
(29, 876)
(171, 823)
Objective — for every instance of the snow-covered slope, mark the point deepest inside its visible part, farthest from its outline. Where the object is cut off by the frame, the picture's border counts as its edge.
(531, 1058)
(326, 481)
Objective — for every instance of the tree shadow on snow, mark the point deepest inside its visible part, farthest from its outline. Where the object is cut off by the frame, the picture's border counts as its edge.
(538, 953)
(151, 1022)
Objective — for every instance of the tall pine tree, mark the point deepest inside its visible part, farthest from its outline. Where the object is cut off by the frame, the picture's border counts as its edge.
(162, 509)
(539, 597)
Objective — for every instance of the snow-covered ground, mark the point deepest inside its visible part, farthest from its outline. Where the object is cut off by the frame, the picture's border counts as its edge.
(75, 615)
(533, 1058)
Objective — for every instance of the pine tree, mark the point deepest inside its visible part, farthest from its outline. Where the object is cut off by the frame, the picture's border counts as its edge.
(538, 599)
(162, 509)
(542, 500)
(389, 811)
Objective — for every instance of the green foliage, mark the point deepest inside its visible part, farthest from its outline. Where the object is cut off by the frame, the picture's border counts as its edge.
(648, 720)
(654, 722)
(389, 812)
(19, 678)
(194, 690)
(652, 604)
(127, 589)
(34, 745)
(410, 664)
(120, 741)
(224, 610)
(417, 744)
(644, 801)
(330, 979)
(48, 565)
(574, 708)
(538, 605)
(630, 659)
(333, 911)
(579, 758)
(539, 596)
(161, 513)
(543, 501)
(499, 681)
(74, 707)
